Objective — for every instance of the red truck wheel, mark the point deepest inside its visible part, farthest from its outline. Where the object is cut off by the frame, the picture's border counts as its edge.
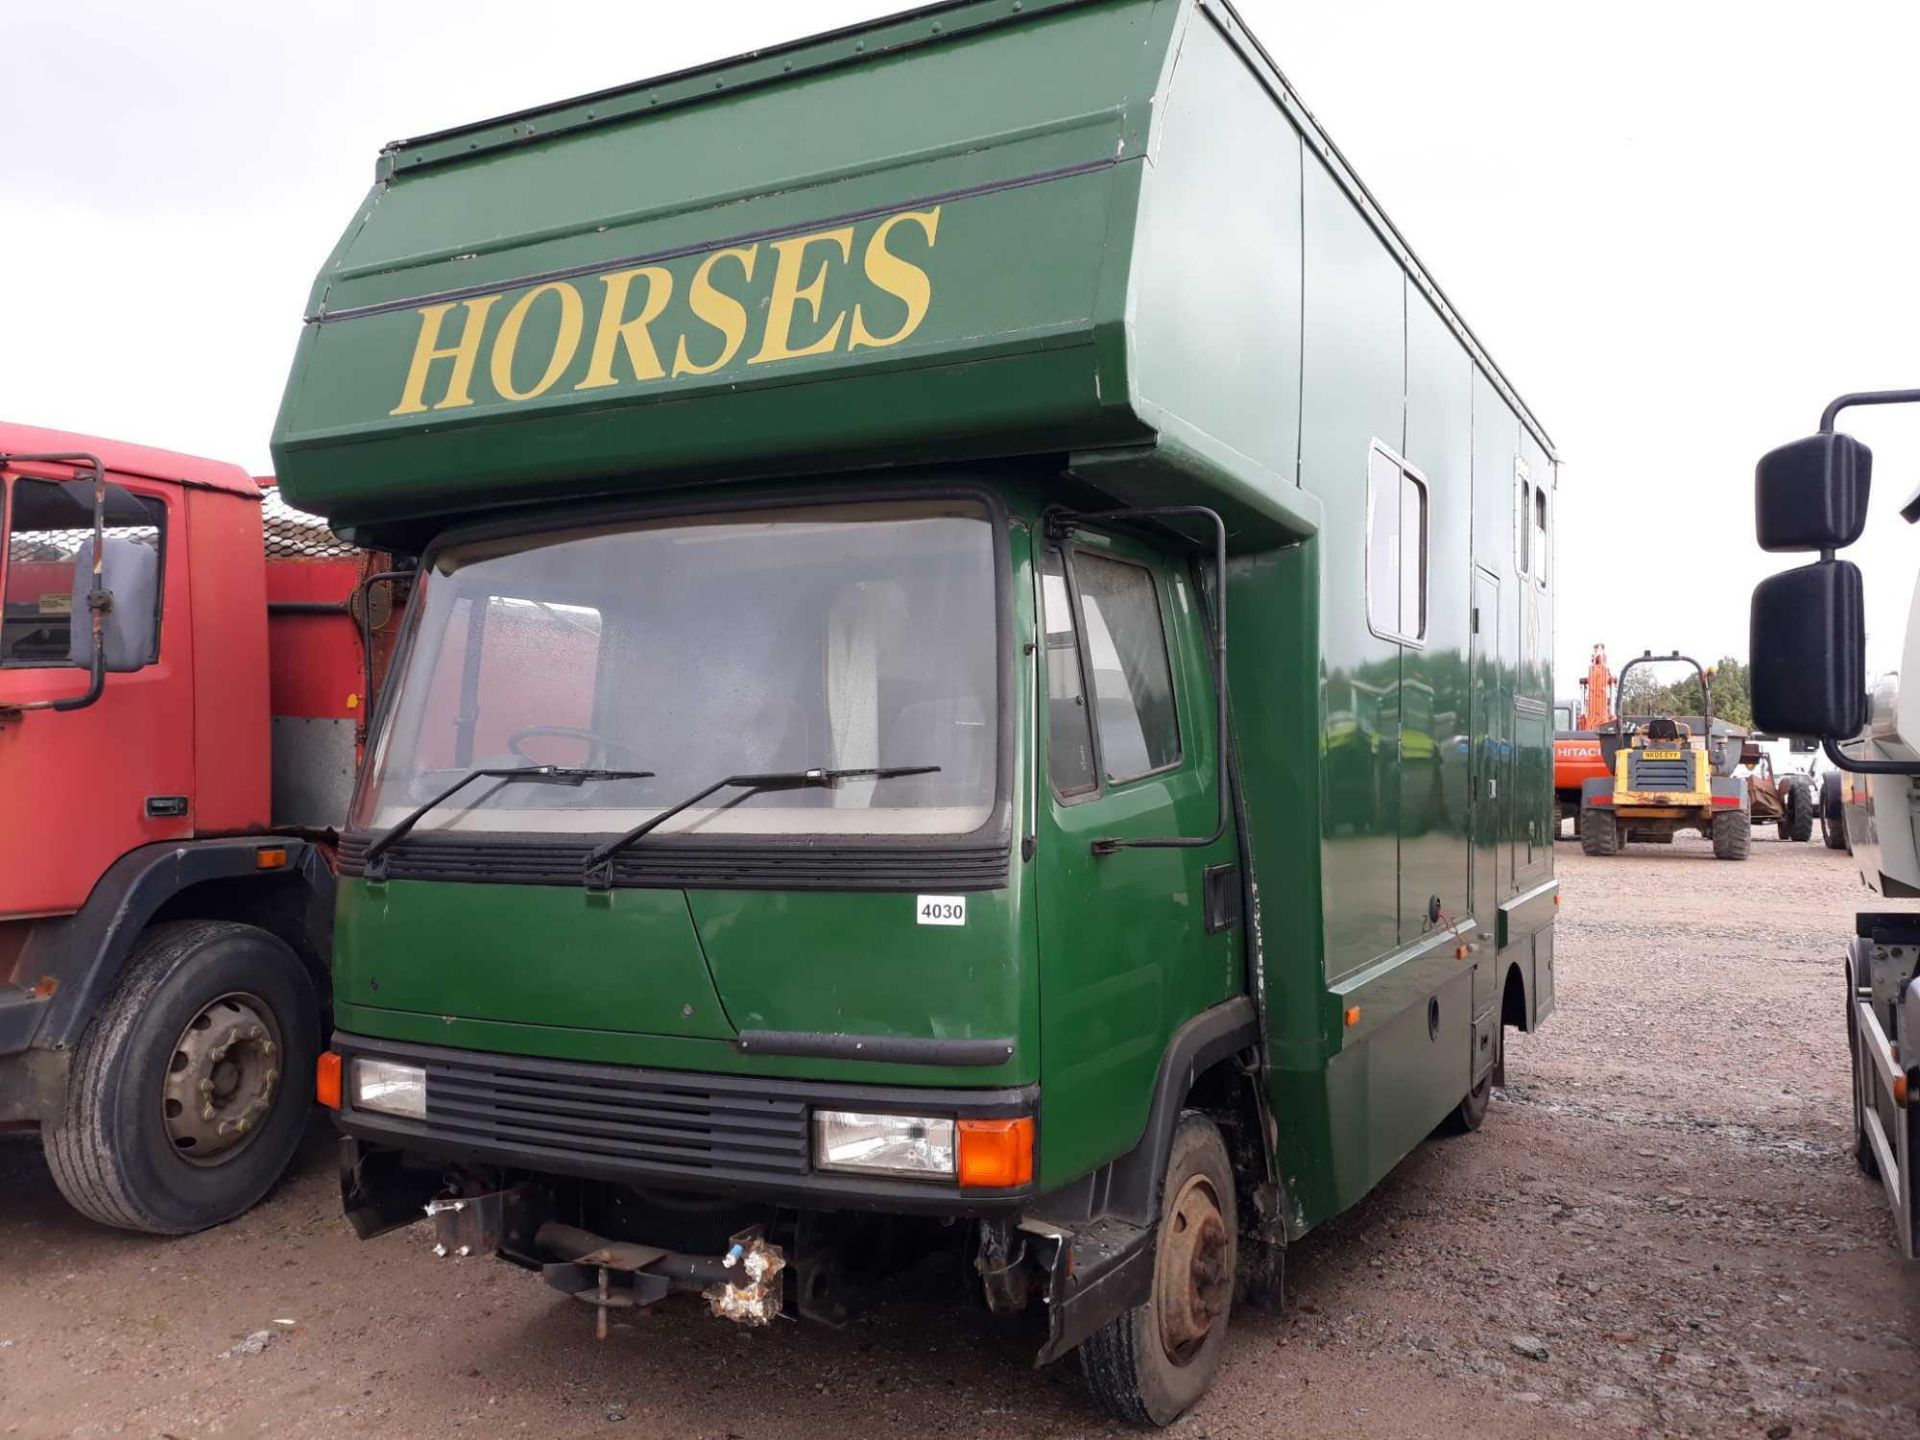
(192, 1087)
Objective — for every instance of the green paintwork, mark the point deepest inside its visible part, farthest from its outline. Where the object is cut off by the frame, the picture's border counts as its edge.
(1229, 322)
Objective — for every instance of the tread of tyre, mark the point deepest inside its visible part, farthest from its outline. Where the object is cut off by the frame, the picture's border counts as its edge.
(1121, 1360)
(1833, 817)
(1732, 835)
(1863, 1155)
(1799, 813)
(1599, 831)
(84, 1144)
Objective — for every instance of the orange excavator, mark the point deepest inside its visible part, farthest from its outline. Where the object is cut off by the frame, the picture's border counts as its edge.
(1576, 744)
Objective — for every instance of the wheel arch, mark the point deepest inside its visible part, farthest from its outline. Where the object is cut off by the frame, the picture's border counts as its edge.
(1516, 1007)
(84, 954)
(1200, 1068)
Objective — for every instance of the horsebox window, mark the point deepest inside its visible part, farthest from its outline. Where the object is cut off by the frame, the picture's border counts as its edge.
(1397, 542)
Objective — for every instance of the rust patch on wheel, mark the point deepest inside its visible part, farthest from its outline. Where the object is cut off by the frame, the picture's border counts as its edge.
(1192, 1284)
(221, 1079)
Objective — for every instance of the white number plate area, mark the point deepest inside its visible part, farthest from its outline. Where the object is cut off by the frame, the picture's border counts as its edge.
(941, 909)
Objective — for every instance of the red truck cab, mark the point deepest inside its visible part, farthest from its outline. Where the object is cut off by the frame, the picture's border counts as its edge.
(166, 851)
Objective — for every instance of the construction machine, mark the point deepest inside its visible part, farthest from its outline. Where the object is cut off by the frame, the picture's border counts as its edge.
(1784, 799)
(1664, 776)
(1577, 754)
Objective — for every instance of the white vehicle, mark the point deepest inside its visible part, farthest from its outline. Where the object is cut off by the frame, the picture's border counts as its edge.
(1809, 680)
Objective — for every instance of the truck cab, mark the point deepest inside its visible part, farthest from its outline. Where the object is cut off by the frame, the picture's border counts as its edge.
(165, 882)
(923, 722)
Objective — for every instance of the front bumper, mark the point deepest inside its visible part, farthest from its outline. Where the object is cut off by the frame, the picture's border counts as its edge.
(730, 1135)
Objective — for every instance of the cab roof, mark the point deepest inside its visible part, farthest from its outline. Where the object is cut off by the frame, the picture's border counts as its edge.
(120, 456)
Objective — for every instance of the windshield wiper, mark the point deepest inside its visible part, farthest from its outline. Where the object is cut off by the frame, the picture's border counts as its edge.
(599, 870)
(537, 774)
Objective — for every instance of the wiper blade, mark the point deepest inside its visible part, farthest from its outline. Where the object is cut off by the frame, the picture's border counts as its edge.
(536, 774)
(599, 870)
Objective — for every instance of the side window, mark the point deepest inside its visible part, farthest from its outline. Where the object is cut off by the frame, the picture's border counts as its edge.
(48, 525)
(1069, 726)
(1397, 529)
(1128, 665)
(1540, 534)
(1522, 519)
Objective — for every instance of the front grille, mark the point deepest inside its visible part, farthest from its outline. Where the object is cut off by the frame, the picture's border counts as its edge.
(1645, 774)
(690, 1125)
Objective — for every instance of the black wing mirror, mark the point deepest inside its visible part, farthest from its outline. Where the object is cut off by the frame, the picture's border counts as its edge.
(1812, 494)
(1808, 654)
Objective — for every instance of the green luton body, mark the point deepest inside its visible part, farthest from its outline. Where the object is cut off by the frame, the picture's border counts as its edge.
(913, 290)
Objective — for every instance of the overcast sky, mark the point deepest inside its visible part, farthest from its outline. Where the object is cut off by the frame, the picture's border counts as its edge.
(1680, 229)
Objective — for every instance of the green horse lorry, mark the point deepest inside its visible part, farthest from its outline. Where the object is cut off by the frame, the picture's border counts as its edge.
(978, 677)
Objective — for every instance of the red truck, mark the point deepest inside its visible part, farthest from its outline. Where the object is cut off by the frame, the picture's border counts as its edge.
(185, 665)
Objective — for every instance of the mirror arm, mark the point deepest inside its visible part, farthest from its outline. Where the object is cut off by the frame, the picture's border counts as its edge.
(1864, 397)
(1847, 762)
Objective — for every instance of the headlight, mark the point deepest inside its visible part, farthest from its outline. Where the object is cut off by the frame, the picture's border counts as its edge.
(389, 1088)
(882, 1144)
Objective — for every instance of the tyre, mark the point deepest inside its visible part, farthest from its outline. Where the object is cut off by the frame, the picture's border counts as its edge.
(191, 1088)
(1797, 820)
(1599, 831)
(1471, 1112)
(1833, 815)
(1863, 1155)
(1732, 835)
(1150, 1365)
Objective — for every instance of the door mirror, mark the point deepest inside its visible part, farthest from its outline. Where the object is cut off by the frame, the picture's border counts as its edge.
(1809, 650)
(1812, 494)
(130, 573)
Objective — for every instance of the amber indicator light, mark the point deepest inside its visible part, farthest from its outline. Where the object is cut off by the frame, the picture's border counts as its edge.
(996, 1153)
(326, 1079)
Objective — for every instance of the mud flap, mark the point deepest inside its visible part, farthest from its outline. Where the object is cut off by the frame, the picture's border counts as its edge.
(379, 1191)
(1485, 1052)
(1095, 1273)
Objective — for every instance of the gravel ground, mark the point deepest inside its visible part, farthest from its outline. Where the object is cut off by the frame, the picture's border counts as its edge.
(1659, 1232)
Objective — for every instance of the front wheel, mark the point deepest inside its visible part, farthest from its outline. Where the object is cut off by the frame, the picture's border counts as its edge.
(1152, 1364)
(1732, 835)
(191, 1088)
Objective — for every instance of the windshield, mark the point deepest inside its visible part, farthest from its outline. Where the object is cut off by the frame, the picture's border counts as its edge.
(834, 637)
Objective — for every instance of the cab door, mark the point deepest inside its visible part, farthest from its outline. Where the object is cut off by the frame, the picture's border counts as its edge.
(85, 786)
(1130, 945)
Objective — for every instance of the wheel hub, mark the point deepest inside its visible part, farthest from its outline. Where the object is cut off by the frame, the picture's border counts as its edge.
(1194, 1284)
(221, 1079)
